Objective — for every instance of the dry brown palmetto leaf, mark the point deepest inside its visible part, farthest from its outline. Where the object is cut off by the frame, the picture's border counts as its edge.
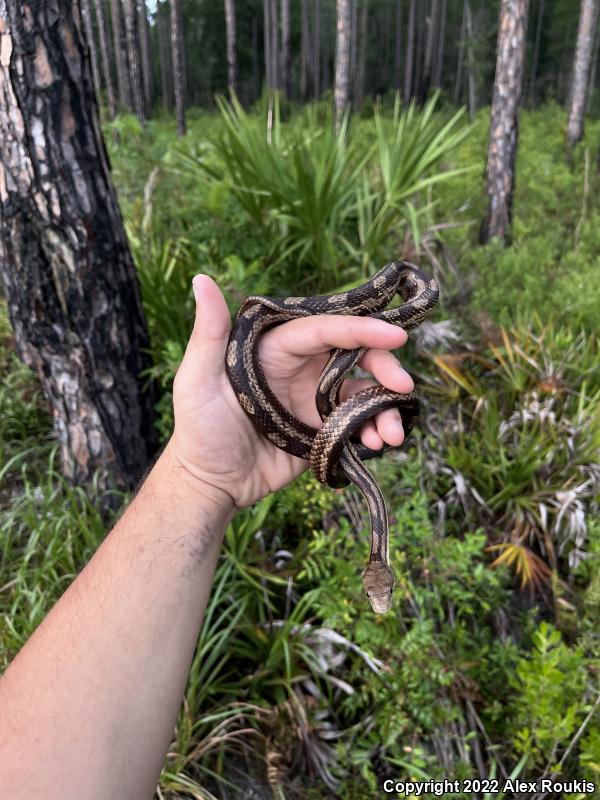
(534, 572)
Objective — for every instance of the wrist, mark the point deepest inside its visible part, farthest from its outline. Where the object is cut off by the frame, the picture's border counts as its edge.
(187, 487)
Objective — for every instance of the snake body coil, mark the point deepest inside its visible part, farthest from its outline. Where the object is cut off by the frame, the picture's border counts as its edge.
(335, 457)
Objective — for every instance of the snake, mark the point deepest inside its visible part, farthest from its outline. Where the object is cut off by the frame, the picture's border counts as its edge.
(334, 452)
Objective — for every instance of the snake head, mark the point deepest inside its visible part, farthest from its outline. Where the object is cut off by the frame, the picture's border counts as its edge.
(378, 583)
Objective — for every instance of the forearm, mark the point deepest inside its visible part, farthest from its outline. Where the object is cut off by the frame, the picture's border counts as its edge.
(88, 707)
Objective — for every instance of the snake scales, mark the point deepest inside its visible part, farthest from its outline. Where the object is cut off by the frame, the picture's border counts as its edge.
(335, 457)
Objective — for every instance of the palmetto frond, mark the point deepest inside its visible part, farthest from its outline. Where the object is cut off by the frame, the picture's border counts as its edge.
(529, 567)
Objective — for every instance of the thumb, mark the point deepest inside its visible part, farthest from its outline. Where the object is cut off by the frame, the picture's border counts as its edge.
(208, 342)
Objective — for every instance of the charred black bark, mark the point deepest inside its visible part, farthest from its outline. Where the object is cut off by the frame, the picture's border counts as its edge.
(65, 264)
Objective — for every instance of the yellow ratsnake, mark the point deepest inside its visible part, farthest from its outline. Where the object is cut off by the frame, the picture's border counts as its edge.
(335, 457)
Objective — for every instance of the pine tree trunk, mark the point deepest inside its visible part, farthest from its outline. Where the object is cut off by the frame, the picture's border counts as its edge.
(285, 48)
(317, 49)
(439, 56)
(588, 17)
(384, 23)
(432, 29)
(119, 47)
(342, 60)
(361, 53)
(504, 124)
(419, 53)
(164, 54)
(135, 62)
(410, 53)
(91, 41)
(146, 55)
(68, 275)
(230, 41)
(305, 54)
(471, 60)
(592, 82)
(398, 48)
(328, 51)
(353, 43)
(178, 59)
(460, 60)
(105, 59)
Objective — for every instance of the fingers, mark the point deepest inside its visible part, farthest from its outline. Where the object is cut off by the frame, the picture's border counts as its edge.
(384, 428)
(205, 353)
(320, 333)
(370, 437)
(386, 368)
(389, 427)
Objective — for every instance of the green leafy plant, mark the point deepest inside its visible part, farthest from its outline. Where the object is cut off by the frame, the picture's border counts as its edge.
(516, 405)
(552, 699)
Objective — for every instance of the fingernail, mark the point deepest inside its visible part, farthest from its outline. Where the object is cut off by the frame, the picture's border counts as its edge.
(195, 287)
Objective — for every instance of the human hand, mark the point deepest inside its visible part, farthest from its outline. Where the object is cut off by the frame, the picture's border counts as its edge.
(214, 442)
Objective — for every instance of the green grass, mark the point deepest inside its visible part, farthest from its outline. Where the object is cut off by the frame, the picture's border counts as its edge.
(297, 672)
(554, 263)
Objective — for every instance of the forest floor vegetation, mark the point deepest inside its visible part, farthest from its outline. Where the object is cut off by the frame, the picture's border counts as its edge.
(488, 664)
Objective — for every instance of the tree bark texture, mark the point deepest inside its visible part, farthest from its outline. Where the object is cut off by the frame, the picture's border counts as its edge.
(66, 268)
(285, 48)
(460, 59)
(588, 18)
(432, 29)
(353, 41)
(592, 82)
(508, 87)
(134, 60)
(359, 88)
(105, 59)
(178, 60)
(471, 59)
(439, 56)
(91, 41)
(146, 54)
(419, 52)
(119, 45)
(230, 43)
(342, 60)
(164, 55)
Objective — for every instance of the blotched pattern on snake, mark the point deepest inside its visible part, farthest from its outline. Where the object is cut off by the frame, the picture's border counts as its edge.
(335, 457)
